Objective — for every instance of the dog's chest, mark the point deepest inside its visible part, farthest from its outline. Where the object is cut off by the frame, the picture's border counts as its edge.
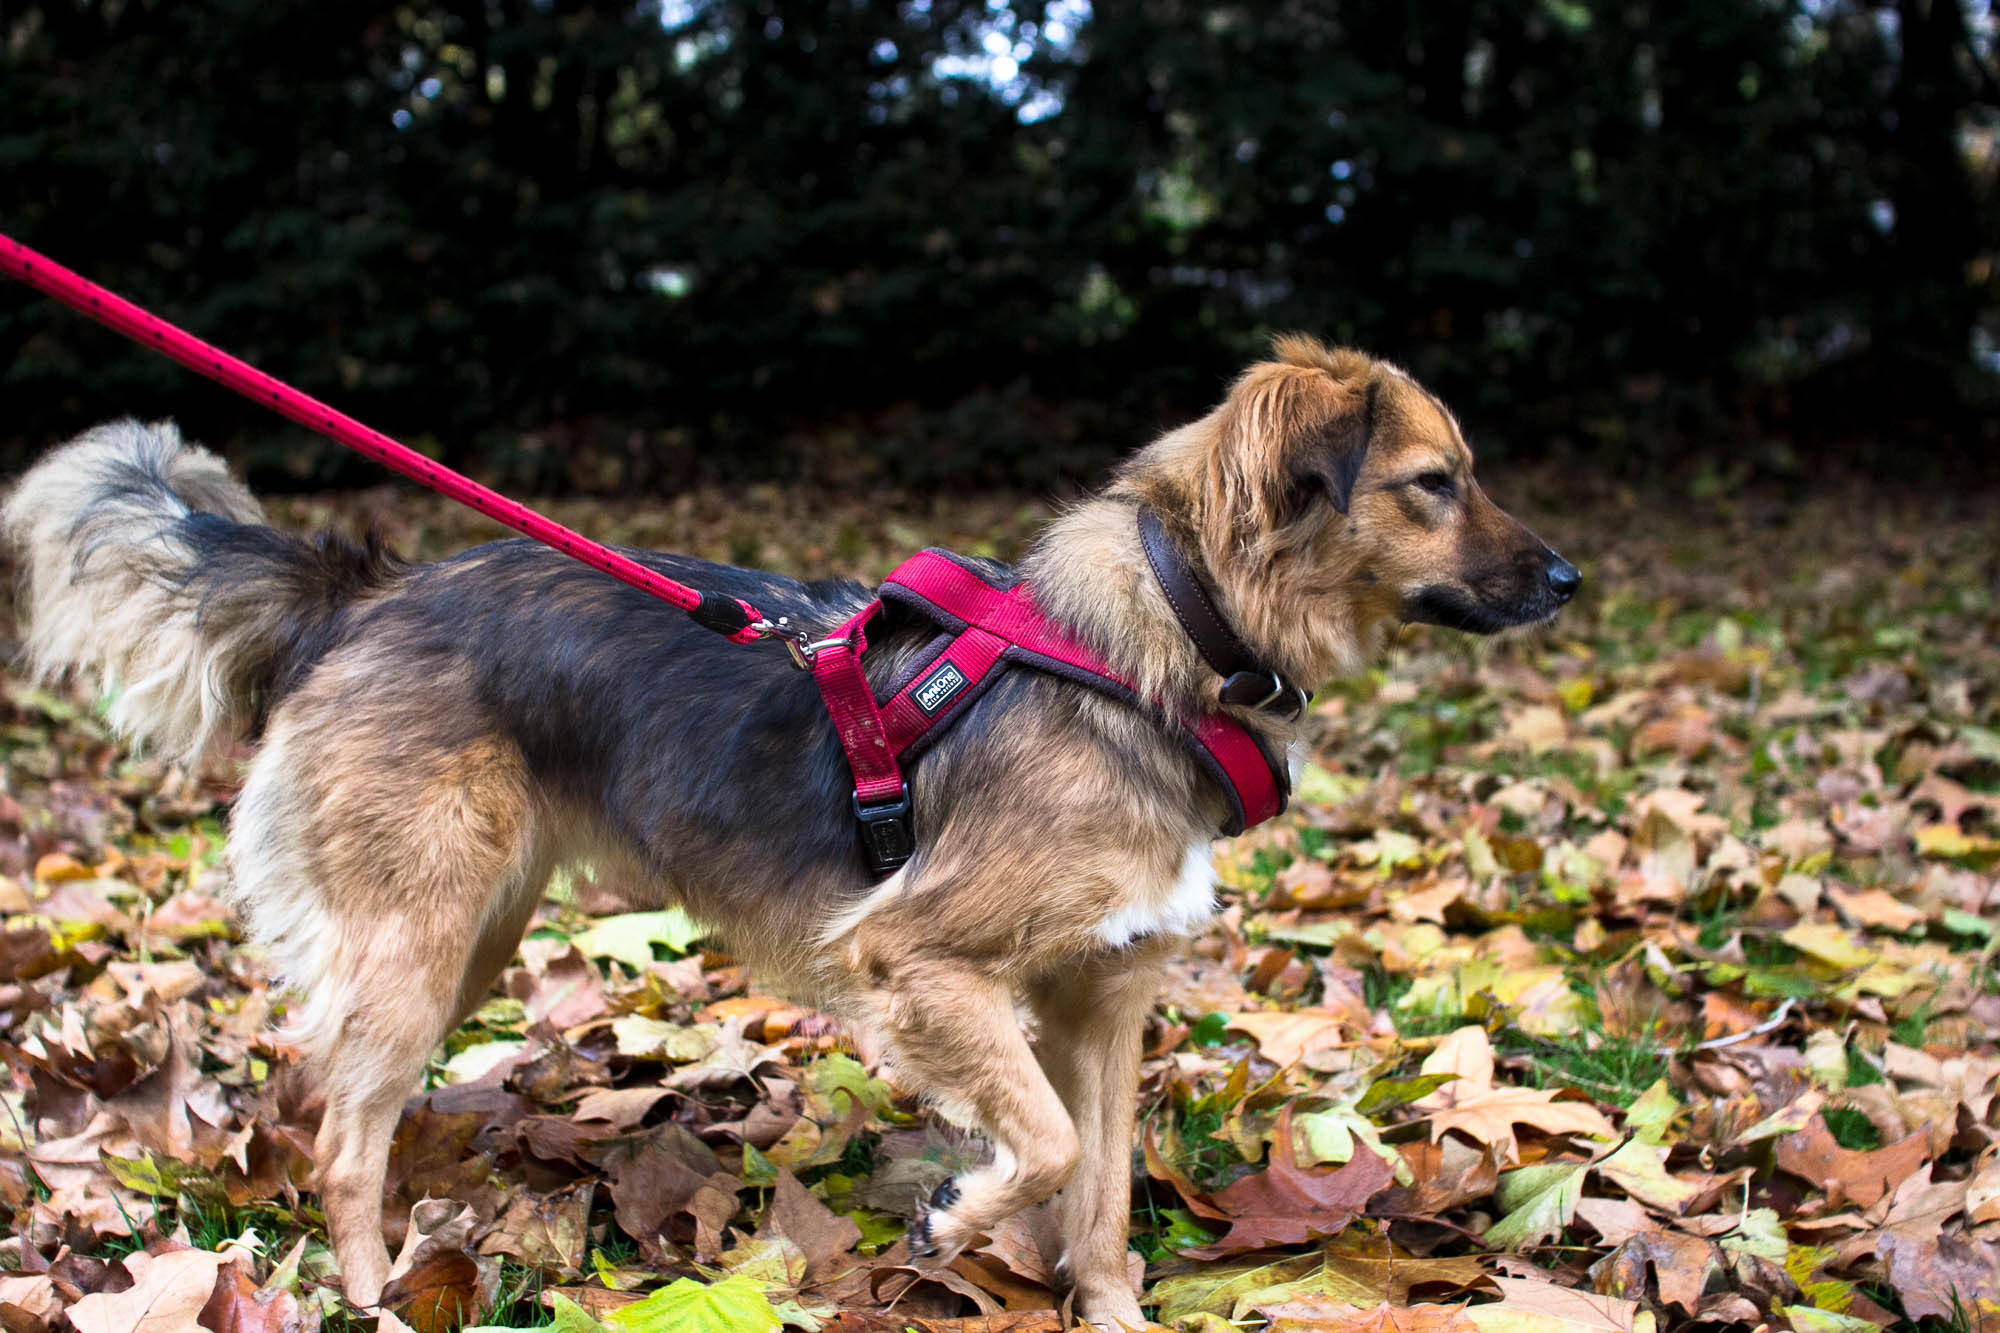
(1177, 907)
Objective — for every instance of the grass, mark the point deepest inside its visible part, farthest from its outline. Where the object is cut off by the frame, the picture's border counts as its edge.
(1851, 1128)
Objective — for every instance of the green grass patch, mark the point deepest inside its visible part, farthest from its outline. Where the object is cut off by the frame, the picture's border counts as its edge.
(1851, 1129)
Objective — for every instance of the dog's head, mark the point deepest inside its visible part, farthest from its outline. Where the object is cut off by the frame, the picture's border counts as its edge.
(1332, 492)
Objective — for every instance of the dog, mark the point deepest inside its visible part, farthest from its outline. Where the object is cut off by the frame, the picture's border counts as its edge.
(433, 741)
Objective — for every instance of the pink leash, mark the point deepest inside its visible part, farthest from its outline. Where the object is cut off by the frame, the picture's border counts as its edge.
(742, 622)
(872, 737)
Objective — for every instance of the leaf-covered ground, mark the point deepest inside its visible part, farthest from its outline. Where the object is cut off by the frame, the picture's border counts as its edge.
(1639, 974)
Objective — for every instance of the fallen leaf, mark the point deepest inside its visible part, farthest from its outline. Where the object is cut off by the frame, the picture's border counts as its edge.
(1540, 1201)
(1285, 1204)
(168, 1292)
(731, 1305)
(1815, 1156)
(1541, 1307)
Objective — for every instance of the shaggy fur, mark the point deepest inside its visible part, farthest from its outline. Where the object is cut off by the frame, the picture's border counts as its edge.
(435, 740)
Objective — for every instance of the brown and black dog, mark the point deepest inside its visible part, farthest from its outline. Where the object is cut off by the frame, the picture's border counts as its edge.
(435, 740)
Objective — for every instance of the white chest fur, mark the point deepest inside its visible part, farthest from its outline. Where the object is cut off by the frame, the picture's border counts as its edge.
(1175, 908)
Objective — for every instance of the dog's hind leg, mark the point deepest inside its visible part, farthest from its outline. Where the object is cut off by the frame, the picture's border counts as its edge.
(1091, 1018)
(953, 1037)
(393, 896)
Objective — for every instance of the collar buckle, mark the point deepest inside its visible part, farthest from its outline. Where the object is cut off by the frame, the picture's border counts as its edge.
(1260, 689)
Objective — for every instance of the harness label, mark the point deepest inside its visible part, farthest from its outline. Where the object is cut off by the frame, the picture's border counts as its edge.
(939, 688)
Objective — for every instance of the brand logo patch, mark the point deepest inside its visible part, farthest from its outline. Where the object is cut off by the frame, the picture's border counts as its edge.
(939, 688)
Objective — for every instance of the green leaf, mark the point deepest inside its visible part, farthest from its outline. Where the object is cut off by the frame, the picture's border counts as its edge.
(1640, 1169)
(1805, 1319)
(1652, 1113)
(630, 938)
(1210, 1031)
(1961, 922)
(1216, 1287)
(144, 1175)
(1983, 744)
(878, 1230)
(1184, 1231)
(1542, 1201)
(1759, 1233)
(1312, 934)
(1317, 786)
(733, 1305)
(758, 1169)
(842, 1076)
(1386, 1093)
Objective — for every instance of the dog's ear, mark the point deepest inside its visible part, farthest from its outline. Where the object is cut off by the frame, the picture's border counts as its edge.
(1328, 465)
(1293, 433)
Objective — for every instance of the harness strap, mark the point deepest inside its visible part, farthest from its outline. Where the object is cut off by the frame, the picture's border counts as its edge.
(881, 795)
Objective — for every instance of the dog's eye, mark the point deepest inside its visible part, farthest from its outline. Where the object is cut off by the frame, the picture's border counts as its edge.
(1438, 483)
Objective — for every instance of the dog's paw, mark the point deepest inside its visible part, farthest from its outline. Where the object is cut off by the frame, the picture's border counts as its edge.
(1111, 1309)
(931, 1234)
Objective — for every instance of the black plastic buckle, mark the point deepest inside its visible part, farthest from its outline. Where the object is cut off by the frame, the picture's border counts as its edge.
(887, 837)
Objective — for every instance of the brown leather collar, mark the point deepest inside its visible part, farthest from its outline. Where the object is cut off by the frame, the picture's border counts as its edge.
(1246, 682)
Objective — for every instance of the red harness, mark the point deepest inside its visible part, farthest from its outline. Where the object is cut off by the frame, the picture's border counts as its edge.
(986, 630)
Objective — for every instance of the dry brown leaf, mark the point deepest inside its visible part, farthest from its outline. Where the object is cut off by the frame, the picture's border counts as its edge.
(1539, 1306)
(1680, 1265)
(823, 1236)
(238, 1305)
(1285, 1037)
(1475, 1107)
(545, 1231)
(437, 1282)
(1285, 1205)
(1319, 1314)
(168, 1292)
(1876, 908)
(1845, 1174)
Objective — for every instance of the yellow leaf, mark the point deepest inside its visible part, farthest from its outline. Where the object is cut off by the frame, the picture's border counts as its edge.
(1829, 944)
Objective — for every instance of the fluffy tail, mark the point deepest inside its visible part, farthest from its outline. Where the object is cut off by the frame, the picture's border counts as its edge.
(145, 563)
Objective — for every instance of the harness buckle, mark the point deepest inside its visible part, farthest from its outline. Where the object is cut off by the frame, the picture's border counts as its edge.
(887, 838)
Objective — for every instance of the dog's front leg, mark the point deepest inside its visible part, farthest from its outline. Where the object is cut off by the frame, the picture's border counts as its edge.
(1091, 1018)
(952, 1035)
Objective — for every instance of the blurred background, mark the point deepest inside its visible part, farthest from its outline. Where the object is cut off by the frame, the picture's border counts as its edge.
(611, 248)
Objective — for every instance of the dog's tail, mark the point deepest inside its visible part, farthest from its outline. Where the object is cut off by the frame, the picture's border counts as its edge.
(144, 563)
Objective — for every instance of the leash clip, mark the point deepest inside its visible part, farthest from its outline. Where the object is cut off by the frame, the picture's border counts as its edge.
(804, 650)
(886, 835)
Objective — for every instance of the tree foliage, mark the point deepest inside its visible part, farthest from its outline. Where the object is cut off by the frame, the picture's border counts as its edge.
(612, 242)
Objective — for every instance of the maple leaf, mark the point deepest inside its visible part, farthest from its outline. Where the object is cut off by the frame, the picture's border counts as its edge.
(1285, 1204)
(1846, 1173)
(1287, 1037)
(731, 1305)
(1681, 1267)
(1541, 1307)
(1321, 1314)
(168, 1292)
(1474, 1106)
(437, 1282)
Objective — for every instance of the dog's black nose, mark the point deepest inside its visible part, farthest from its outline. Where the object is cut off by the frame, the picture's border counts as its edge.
(1563, 578)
